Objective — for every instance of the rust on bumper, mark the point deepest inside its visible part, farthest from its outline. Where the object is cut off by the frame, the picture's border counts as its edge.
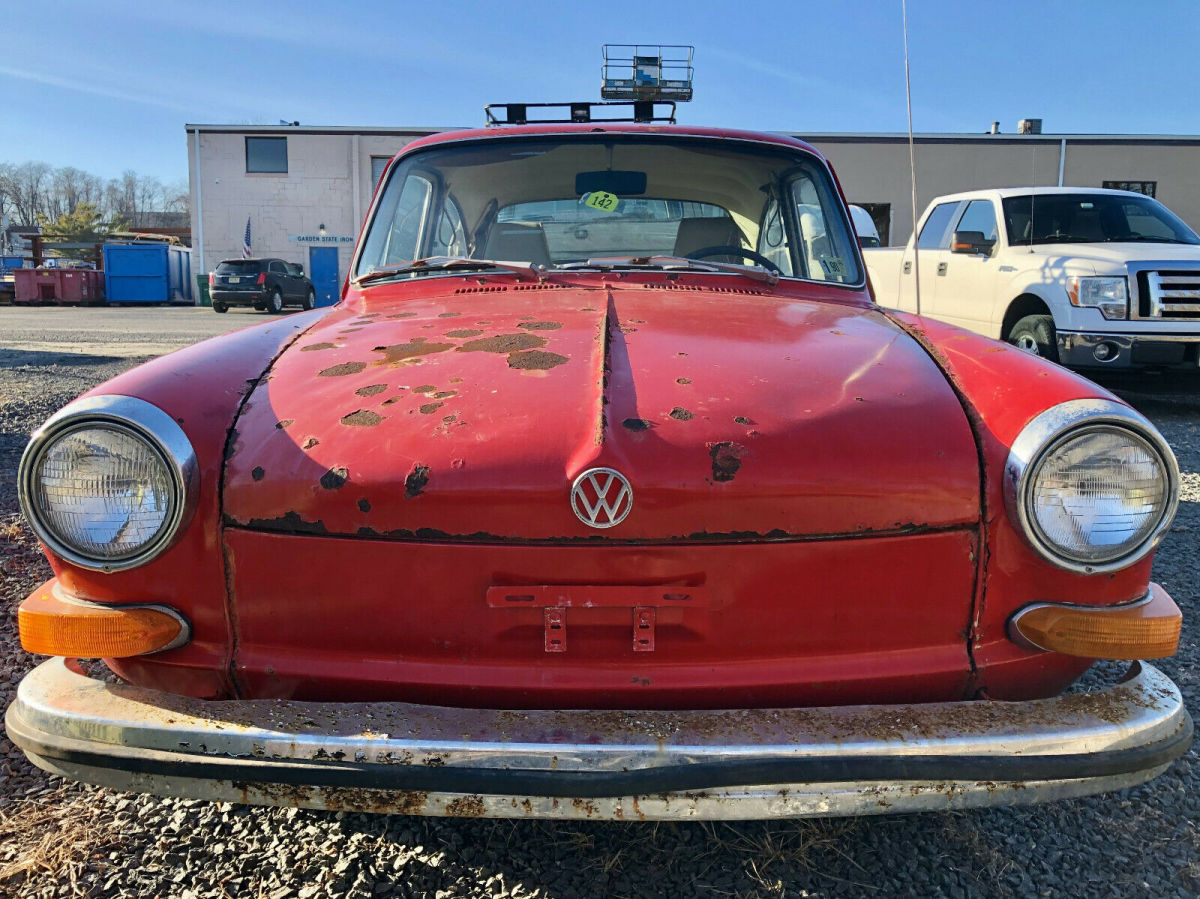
(757, 763)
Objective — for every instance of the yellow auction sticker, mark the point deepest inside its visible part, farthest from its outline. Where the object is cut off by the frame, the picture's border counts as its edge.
(602, 200)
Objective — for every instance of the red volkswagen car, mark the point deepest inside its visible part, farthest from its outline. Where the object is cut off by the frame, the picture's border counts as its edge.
(605, 491)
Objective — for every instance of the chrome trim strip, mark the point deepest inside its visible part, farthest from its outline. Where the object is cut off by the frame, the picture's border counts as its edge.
(141, 419)
(1042, 434)
(418, 759)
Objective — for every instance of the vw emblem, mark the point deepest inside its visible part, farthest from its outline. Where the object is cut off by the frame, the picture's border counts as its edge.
(601, 497)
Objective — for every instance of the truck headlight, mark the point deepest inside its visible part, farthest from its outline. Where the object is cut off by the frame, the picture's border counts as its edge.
(1109, 295)
(1092, 485)
(108, 482)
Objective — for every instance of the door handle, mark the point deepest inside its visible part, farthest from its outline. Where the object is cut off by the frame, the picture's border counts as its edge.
(908, 267)
(941, 268)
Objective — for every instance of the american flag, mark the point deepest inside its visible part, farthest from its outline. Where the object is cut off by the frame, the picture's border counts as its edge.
(246, 240)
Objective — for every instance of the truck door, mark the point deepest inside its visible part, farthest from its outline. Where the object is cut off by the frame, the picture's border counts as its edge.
(933, 244)
(966, 283)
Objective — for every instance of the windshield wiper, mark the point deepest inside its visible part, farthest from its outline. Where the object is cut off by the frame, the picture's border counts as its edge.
(1145, 238)
(451, 264)
(671, 264)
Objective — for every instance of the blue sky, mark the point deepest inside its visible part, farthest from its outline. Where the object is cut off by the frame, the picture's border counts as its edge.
(107, 86)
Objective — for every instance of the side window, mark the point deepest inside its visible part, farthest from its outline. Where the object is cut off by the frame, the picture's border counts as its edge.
(378, 166)
(450, 237)
(772, 238)
(408, 222)
(934, 233)
(980, 216)
(277, 268)
(826, 252)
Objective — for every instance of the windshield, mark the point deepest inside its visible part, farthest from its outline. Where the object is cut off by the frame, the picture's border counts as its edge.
(1092, 218)
(566, 200)
(238, 266)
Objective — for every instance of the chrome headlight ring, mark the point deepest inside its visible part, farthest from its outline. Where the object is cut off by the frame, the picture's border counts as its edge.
(1050, 430)
(132, 417)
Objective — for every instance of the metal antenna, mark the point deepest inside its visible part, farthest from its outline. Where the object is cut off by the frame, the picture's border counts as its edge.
(912, 160)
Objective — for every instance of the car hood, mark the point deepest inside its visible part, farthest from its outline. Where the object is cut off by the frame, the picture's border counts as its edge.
(467, 414)
(1107, 257)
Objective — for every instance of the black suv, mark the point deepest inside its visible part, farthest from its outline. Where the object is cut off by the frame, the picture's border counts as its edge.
(265, 284)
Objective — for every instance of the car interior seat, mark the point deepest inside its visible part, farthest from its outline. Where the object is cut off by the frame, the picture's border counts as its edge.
(711, 231)
(517, 242)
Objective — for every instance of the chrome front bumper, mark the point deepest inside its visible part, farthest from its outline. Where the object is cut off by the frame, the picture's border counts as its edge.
(762, 763)
(1126, 350)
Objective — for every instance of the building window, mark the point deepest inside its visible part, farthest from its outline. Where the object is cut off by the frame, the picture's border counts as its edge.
(1138, 187)
(378, 164)
(266, 154)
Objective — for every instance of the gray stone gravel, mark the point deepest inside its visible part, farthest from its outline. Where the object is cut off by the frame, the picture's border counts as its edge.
(97, 842)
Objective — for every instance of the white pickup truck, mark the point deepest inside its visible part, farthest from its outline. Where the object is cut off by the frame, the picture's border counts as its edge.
(1085, 276)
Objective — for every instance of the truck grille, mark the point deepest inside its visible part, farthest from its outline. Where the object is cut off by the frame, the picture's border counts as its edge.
(1169, 294)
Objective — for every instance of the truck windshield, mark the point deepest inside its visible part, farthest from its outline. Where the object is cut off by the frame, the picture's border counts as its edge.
(1092, 218)
(564, 200)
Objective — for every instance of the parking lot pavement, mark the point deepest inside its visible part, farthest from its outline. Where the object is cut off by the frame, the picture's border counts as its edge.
(62, 838)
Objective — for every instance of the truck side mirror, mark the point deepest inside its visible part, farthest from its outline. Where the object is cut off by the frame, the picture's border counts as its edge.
(970, 243)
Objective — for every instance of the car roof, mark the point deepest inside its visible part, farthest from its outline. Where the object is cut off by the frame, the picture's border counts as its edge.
(1003, 192)
(253, 259)
(559, 130)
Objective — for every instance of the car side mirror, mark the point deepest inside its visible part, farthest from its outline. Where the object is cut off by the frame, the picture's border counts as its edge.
(970, 243)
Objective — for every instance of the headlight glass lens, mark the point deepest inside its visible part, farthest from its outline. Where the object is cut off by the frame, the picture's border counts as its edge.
(1098, 494)
(103, 491)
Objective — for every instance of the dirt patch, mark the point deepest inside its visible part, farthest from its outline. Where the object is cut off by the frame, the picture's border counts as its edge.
(535, 360)
(363, 418)
(399, 352)
(503, 343)
(345, 368)
(726, 460)
(681, 414)
(371, 390)
(540, 326)
(415, 483)
(335, 478)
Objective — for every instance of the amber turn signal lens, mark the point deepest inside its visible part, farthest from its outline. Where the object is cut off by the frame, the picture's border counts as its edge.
(54, 626)
(1147, 629)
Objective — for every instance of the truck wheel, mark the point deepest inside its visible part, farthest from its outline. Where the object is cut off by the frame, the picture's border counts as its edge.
(1035, 334)
(220, 307)
(275, 303)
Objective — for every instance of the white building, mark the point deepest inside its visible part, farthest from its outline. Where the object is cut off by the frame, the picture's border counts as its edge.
(305, 190)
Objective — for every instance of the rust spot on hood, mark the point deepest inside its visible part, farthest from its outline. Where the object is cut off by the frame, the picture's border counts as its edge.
(258, 474)
(335, 478)
(503, 343)
(535, 360)
(345, 368)
(681, 414)
(363, 418)
(285, 423)
(403, 315)
(743, 420)
(430, 408)
(726, 459)
(683, 380)
(309, 443)
(364, 505)
(637, 424)
(290, 522)
(449, 314)
(318, 346)
(540, 326)
(415, 483)
(424, 388)
(464, 332)
(398, 352)
(372, 390)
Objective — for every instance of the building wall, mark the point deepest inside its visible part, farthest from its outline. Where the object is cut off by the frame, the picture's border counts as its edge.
(876, 170)
(329, 178)
(328, 182)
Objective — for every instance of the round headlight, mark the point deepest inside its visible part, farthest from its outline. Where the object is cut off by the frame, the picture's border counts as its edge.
(1093, 485)
(107, 481)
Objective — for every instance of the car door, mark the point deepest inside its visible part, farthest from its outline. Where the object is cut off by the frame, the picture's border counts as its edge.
(966, 282)
(933, 244)
(279, 278)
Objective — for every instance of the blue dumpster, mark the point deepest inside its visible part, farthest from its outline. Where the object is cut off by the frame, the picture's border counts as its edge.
(147, 273)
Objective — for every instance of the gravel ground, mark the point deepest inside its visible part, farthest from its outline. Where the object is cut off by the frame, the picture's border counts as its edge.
(61, 838)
